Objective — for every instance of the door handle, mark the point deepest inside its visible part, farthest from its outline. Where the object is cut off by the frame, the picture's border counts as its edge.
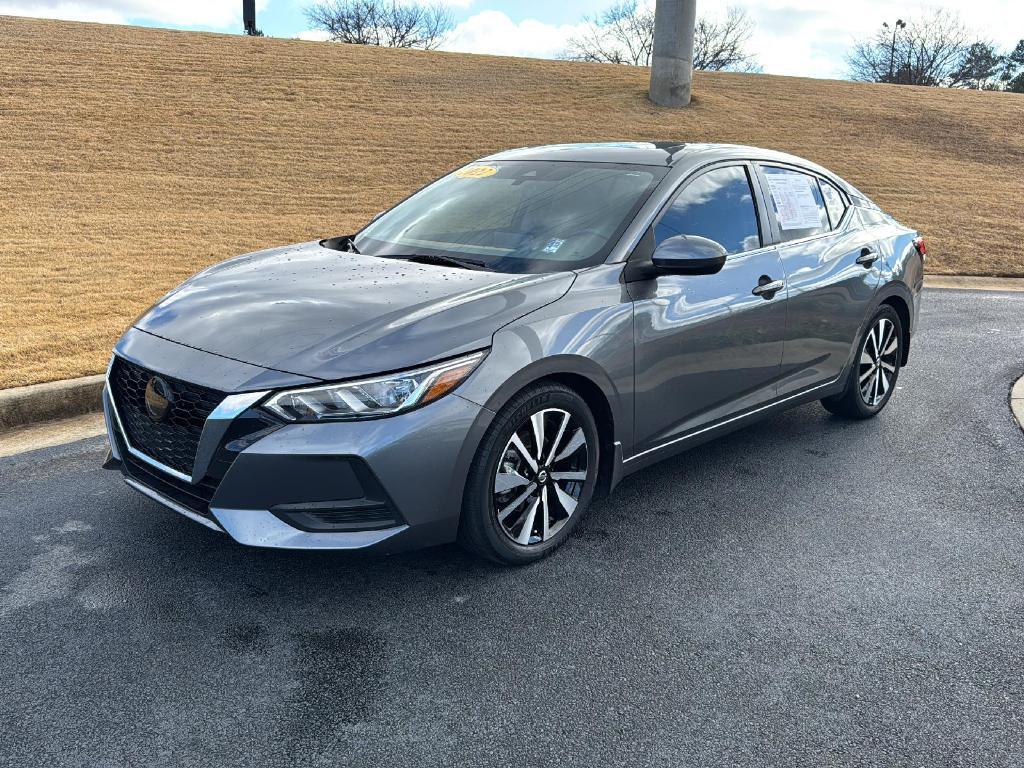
(867, 257)
(766, 288)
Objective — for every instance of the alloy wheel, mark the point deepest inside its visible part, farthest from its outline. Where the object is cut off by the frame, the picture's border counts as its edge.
(540, 476)
(879, 358)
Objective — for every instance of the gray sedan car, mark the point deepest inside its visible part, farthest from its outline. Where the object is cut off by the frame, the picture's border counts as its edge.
(482, 359)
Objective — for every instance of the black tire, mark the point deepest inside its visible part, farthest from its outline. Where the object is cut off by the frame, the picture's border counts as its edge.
(853, 402)
(480, 529)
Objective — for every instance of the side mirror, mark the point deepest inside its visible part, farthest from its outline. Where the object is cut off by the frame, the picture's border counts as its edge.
(689, 255)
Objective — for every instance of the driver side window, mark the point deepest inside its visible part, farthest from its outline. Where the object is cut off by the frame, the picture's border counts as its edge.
(718, 205)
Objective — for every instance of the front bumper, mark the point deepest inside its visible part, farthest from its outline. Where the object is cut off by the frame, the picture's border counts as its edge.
(388, 484)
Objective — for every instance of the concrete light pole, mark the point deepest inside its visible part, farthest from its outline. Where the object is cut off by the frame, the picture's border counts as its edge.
(672, 60)
(249, 17)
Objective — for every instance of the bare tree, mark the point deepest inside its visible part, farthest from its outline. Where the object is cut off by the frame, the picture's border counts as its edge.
(621, 34)
(720, 44)
(382, 22)
(624, 34)
(930, 50)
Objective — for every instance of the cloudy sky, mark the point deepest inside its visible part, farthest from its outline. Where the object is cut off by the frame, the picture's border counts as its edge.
(793, 37)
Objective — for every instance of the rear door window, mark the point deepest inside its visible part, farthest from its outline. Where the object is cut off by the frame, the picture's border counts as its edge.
(834, 202)
(796, 203)
(718, 205)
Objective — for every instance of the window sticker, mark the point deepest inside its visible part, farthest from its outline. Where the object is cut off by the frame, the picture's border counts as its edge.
(553, 245)
(795, 206)
(476, 172)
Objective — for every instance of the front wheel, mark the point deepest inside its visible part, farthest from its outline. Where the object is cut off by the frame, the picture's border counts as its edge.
(533, 476)
(872, 377)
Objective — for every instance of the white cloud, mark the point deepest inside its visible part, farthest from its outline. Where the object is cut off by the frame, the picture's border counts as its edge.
(494, 32)
(71, 11)
(318, 35)
(810, 38)
(792, 37)
(206, 13)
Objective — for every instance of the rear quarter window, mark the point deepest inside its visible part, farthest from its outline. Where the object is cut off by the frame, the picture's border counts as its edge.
(870, 217)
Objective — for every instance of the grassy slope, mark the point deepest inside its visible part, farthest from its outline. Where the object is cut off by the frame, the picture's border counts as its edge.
(130, 158)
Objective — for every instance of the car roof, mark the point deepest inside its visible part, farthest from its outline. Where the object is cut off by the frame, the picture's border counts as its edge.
(660, 153)
(665, 154)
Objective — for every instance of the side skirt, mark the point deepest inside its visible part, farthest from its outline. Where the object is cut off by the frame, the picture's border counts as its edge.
(729, 424)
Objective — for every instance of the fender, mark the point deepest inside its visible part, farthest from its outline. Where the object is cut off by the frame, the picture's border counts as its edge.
(901, 290)
(885, 291)
(560, 366)
(895, 288)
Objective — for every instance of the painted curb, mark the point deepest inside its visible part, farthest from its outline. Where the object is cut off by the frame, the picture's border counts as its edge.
(1017, 401)
(23, 406)
(964, 283)
(36, 403)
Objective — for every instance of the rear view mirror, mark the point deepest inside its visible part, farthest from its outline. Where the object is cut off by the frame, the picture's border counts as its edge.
(689, 255)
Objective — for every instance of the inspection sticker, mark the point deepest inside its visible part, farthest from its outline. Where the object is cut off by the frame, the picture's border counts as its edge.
(553, 245)
(476, 172)
(795, 205)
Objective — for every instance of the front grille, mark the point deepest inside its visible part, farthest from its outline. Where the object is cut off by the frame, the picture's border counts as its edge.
(174, 440)
(194, 497)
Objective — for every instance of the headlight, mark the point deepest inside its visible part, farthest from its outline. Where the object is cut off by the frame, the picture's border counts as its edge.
(372, 398)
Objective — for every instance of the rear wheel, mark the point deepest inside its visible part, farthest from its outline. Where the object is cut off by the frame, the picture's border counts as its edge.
(872, 378)
(533, 476)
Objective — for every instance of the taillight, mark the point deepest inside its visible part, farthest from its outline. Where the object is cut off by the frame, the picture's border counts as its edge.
(920, 247)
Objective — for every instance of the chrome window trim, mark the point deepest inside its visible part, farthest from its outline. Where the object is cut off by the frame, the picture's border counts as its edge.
(731, 419)
(747, 254)
(159, 498)
(822, 236)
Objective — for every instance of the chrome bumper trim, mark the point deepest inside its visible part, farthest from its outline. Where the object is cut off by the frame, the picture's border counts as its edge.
(173, 505)
(260, 528)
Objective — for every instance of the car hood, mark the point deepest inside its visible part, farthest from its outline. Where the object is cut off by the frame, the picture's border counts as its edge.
(327, 314)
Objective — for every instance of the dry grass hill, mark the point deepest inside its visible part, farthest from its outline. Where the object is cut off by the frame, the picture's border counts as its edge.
(130, 158)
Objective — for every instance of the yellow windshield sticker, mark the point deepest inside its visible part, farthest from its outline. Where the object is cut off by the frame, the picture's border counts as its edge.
(476, 172)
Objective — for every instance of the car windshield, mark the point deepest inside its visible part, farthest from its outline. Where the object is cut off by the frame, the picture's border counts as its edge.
(521, 216)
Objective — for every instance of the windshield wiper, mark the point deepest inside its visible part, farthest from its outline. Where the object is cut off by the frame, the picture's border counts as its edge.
(344, 243)
(447, 261)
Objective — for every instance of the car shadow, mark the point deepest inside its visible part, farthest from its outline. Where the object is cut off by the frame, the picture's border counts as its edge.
(655, 496)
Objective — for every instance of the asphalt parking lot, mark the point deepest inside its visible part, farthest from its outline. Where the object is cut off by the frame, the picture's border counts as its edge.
(808, 591)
